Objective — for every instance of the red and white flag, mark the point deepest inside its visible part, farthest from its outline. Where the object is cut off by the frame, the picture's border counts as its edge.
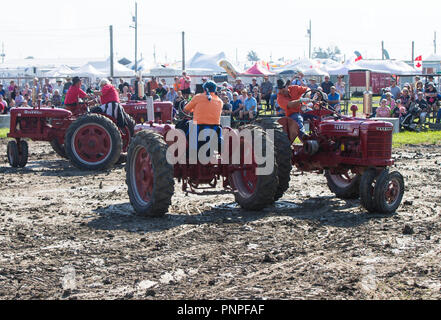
(418, 63)
(358, 58)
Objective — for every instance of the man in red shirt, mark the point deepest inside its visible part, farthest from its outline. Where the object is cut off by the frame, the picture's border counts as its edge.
(290, 100)
(112, 107)
(74, 93)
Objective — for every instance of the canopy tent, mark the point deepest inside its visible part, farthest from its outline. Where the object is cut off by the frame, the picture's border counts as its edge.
(88, 71)
(118, 69)
(432, 58)
(395, 67)
(61, 71)
(257, 70)
(343, 69)
(314, 72)
(206, 61)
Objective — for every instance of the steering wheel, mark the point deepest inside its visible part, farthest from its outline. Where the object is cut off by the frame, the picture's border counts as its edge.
(326, 105)
(181, 110)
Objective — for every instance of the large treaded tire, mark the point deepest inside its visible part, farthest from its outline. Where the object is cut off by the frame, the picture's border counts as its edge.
(283, 156)
(23, 154)
(58, 148)
(265, 188)
(163, 183)
(114, 149)
(12, 152)
(382, 185)
(349, 191)
(367, 186)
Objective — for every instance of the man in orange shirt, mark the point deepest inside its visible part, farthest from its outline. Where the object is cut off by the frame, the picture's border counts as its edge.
(207, 111)
(290, 100)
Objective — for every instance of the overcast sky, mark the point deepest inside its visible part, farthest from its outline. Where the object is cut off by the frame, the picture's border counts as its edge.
(276, 28)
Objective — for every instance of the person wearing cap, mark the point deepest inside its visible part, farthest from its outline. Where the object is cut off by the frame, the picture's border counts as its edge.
(298, 80)
(237, 105)
(58, 86)
(395, 90)
(74, 94)
(326, 85)
(290, 100)
(207, 110)
(250, 107)
(239, 86)
(313, 84)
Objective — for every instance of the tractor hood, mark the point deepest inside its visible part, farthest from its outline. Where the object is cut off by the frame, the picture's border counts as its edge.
(352, 128)
(55, 113)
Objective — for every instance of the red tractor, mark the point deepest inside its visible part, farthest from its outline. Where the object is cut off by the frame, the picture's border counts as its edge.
(150, 176)
(90, 141)
(353, 153)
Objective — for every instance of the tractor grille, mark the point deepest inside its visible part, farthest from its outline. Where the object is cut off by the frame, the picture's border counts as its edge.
(379, 145)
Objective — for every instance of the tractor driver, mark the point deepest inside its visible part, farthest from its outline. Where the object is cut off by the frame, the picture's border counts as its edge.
(207, 110)
(290, 100)
(110, 105)
(74, 94)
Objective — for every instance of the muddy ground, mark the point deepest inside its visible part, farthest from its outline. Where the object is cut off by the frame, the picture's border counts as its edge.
(66, 234)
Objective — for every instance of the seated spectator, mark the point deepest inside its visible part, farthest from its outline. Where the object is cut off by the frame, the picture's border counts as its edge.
(161, 91)
(227, 109)
(326, 85)
(56, 99)
(122, 85)
(171, 95)
(237, 105)
(228, 93)
(395, 90)
(334, 99)
(389, 100)
(19, 99)
(313, 84)
(250, 107)
(273, 100)
(253, 85)
(383, 111)
(399, 110)
(3, 108)
(418, 88)
(239, 86)
(164, 84)
(243, 96)
(432, 98)
(256, 94)
(405, 98)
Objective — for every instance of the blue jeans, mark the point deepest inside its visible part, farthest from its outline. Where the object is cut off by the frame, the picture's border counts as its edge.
(299, 119)
(438, 116)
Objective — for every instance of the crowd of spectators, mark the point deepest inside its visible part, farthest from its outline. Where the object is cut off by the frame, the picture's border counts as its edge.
(396, 102)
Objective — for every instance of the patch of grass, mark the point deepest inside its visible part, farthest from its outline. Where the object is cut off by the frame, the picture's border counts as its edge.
(416, 138)
(3, 132)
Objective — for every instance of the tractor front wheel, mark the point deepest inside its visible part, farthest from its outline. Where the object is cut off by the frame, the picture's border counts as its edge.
(344, 186)
(18, 153)
(367, 187)
(93, 142)
(149, 177)
(389, 191)
(58, 148)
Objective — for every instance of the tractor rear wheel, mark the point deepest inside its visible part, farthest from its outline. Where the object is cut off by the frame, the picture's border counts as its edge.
(344, 186)
(255, 192)
(23, 154)
(149, 177)
(367, 186)
(93, 142)
(58, 148)
(13, 156)
(389, 191)
(283, 154)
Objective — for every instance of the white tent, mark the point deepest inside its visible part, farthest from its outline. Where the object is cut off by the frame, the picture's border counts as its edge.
(343, 69)
(432, 58)
(61, 71)
(207, 61)
(395, 67)
(88, 71)
(118, 69)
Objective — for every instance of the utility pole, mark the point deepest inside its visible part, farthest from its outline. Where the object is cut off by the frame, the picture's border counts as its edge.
(434, 43)
(310, 38)
(183, 50)
(135, 20)
(111, 51)
(413, 51)
(382, 50)
(154, 53)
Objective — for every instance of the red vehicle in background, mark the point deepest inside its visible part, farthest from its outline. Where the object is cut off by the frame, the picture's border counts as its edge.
(378, 80)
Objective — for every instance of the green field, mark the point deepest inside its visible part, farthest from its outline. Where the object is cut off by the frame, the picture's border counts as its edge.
(400, 139)
(3, 132)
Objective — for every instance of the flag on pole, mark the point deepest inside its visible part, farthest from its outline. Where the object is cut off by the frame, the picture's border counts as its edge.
(358, 58)
(418, 63)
